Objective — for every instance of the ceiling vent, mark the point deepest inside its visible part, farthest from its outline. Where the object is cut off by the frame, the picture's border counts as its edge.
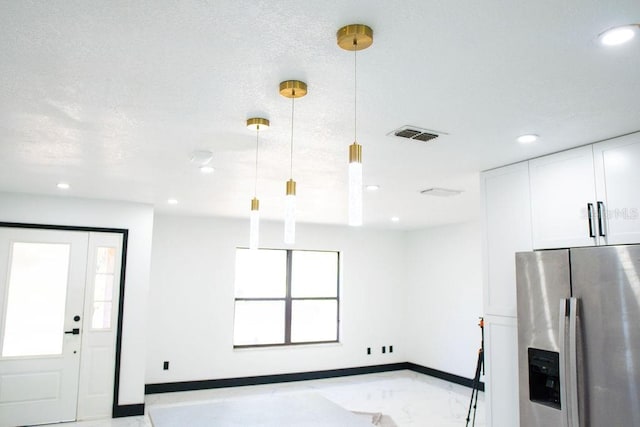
(441, 192)
(415, 133)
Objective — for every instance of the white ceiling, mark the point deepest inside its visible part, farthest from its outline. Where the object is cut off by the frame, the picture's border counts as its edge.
(113, 96)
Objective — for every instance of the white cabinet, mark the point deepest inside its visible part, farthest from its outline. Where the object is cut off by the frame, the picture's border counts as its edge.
(501, 371)
(506, 230)
(617, 164)
(563, 196)
(587, 196)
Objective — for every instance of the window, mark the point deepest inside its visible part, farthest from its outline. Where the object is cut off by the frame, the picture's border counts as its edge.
(34, 322)
(285, 297)
(103, 288)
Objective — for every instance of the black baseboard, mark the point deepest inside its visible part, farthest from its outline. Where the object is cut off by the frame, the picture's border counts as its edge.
(269, 379)
(467, 382)
(120, 411)
(303, 376)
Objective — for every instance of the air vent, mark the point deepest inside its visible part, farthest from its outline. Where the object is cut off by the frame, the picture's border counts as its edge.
(416, 133)
(441, 192)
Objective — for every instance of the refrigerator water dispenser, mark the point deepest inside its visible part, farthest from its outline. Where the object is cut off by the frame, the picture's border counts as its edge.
(544, 377)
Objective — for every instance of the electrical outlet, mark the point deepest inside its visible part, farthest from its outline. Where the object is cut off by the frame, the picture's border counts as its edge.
(384, 349)
(165, 365)
(368, 350)
(390, 349)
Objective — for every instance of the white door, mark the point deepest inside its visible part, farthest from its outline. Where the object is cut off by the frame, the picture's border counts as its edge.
(42, 282)
(100, 327)
(618, 174)
(563, 195)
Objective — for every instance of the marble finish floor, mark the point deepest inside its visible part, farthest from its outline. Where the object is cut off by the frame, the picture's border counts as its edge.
(410, 398)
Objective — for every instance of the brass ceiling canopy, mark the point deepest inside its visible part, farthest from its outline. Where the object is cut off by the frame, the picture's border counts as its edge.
(257, 123)
(293, 89)
(355, 37)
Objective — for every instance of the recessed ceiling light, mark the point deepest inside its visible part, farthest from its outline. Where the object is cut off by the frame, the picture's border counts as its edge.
(373, 187)
(527, 139)
(618, 35)
(63, 186)
(207, 169)
(395, 219)
(172, 201)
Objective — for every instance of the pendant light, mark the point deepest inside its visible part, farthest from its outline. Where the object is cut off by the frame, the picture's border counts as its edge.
(291, 89)
(355, 37)
(257, 124)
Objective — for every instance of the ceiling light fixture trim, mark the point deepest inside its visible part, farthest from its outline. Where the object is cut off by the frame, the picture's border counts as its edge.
(527, 138)
(257, 124)
(291, 89)
(618, 35)
(355, 37)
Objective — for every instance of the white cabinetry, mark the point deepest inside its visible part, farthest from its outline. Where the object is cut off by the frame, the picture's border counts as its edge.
(587, 196)
(507, 230)
(617, 164)
(581, 197)
(501, 371)
(506, 215)
(563, 196)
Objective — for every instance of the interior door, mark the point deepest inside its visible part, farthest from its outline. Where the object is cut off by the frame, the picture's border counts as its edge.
(42, 283)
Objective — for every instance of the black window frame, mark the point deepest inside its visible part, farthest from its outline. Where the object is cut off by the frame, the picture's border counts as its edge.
(288, 301)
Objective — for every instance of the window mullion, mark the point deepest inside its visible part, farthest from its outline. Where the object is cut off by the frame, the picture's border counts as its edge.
(287, 304)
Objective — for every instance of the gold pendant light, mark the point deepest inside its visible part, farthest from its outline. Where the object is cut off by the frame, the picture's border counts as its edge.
(355, 37)
(257, 124)
(291, 89)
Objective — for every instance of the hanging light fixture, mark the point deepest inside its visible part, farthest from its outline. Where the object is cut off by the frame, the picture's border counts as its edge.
(355, 37)
(257, 124)
(291, 89)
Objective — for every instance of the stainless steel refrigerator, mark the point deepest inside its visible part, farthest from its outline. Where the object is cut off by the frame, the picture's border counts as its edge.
(579, 337)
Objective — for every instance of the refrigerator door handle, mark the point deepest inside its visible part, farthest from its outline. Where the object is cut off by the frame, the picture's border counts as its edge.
(572, 390)
(562, 328)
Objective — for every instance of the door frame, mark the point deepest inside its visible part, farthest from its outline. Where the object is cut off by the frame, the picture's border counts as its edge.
(117, 410)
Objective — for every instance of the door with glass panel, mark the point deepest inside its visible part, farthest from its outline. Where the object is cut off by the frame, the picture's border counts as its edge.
(59, 294)
(42, 282)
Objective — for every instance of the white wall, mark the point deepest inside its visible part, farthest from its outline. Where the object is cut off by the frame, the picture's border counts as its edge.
(138, 219)
(444, 297)
(192, 300)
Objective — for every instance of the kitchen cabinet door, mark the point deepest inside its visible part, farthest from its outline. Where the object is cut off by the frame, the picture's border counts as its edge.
(501, 373)
(617, 165)
(562, 185)
(506, 230)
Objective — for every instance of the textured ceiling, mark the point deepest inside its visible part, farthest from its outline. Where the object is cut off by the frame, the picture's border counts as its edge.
(113, 97)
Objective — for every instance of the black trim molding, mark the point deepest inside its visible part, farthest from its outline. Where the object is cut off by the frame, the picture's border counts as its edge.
(303, 376)
(467, 382)
(120, 411)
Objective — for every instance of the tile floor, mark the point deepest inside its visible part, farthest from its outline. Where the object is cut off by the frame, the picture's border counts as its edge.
(411, 399)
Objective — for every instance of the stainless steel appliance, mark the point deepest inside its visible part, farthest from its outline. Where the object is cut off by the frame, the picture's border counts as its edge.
(579, 337)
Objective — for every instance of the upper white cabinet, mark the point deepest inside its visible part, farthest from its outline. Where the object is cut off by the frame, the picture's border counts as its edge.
(563, 199)
(506, 230)
(617, 164)
(587, 196)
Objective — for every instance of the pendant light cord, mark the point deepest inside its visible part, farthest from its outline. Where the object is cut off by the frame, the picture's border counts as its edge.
(255, 188)
(355, 90)
(291, 166)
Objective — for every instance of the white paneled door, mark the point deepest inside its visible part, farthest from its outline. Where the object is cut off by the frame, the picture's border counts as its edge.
(43, 276)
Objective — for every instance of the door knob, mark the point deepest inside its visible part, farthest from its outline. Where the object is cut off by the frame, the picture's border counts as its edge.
(74, 331)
